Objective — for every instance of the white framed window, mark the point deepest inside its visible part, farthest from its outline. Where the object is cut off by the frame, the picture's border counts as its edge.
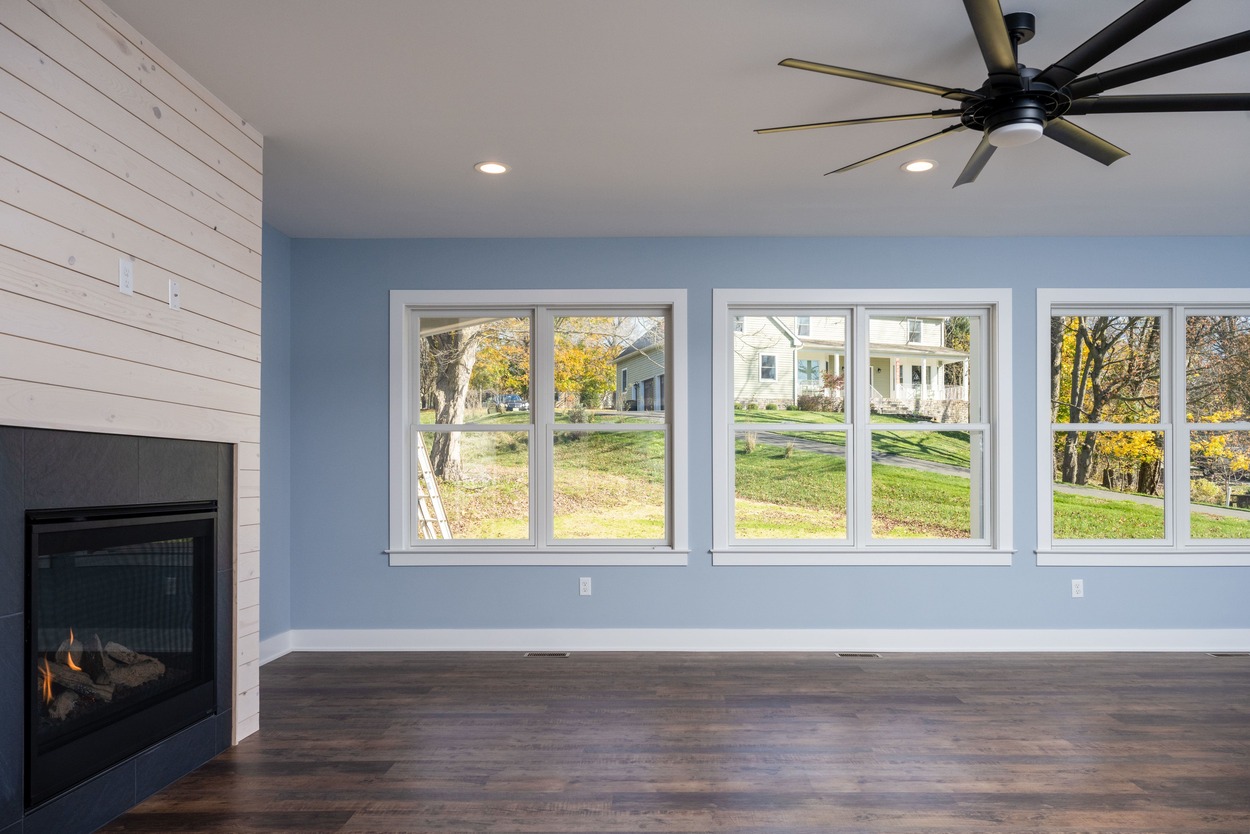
(768, 367)
(877, 463)
(803, 326)
(538, 427)
(914, 332)
(1143, 427)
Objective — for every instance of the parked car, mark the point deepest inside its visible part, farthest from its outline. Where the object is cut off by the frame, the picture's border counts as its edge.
(512, 402)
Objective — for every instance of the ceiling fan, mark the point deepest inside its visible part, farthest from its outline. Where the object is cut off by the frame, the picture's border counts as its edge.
(1018, 104)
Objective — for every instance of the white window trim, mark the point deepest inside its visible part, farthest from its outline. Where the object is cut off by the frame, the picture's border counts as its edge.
(1128, 553)
(996, 549)
(577, 552)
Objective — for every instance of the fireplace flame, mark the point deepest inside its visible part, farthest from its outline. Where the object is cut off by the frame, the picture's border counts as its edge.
(45, 681)
(69, 653)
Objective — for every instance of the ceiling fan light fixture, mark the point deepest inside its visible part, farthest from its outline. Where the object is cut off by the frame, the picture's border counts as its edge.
(1015, 134)
(491, 168)
(918, 166)
(1016, 125)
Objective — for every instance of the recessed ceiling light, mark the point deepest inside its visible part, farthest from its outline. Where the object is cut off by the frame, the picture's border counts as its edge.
(491, 167)
(918, 166)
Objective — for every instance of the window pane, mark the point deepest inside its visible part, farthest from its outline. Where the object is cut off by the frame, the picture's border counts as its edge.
(1219, 484)
(609, 369)
(787, 363)
(1217, 383)
(1104, 369)
(609, 485)
(472, 485)
(927, 485)
(475, 369)
(790, 485)
(924, 368)
(1108, 485)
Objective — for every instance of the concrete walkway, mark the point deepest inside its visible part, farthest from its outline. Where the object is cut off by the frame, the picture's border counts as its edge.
(1108, 495)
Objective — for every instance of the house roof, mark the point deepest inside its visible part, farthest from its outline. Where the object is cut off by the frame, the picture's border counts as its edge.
(637, 118)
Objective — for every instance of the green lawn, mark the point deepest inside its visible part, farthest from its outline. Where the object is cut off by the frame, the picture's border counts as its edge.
(1090, 517)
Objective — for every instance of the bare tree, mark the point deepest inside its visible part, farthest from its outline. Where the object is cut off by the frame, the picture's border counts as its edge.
(452, 355)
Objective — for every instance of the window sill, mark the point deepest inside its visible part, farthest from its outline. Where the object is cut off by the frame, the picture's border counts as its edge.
(1206, 557)
(465, 557)
(767, 557)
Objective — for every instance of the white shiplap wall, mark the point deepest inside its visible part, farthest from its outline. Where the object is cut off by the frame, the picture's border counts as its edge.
(109, 150)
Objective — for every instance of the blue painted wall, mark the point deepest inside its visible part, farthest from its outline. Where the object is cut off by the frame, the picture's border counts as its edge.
(275, 435)
(339, 577)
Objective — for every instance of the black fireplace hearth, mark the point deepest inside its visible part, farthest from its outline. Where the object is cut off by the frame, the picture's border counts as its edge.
(116, 610)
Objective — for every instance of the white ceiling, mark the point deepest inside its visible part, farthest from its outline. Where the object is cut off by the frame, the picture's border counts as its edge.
(635, 118)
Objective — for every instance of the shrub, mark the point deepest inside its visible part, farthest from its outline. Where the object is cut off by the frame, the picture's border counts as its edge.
(1206, 492)
(578, 413)
(790, 449)
(753, 406)
(751, 439)
(770, 407)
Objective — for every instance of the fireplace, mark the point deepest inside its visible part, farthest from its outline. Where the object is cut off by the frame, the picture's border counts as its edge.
(119, 634)
(128, 542)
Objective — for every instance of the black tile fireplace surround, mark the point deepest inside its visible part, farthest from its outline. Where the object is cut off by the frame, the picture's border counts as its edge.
(42, 470)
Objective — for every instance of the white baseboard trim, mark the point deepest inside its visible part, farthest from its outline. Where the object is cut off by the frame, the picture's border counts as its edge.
(757, 640)
(272, 648)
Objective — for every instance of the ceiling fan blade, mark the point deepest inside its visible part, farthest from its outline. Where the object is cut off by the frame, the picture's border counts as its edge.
(889, 80)
(936, 114)
(1119, 32)
(1092, 85)
(986, 17)
(929, 138)
(1179, 103)
(1081, 140)
(976, 162)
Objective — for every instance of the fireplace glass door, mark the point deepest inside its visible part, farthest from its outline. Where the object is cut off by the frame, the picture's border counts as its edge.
(120, 635)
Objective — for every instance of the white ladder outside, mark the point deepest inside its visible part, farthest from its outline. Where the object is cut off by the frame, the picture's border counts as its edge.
(431, 519)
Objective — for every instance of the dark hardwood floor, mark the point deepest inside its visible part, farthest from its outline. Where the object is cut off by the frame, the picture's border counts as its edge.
(732, 743)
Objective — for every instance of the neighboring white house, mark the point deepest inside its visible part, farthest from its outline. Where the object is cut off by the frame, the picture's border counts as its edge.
(777, 359)
(640, 376)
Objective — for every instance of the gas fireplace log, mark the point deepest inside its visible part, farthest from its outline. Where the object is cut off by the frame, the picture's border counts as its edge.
(94, 660)
(121, 654)
(63, 706)
(80, 682)
(138, 674)
(69, 654)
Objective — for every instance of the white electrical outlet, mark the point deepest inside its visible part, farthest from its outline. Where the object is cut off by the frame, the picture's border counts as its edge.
(126, 275)
(1078, 588)
(175, 295)
(583, 586)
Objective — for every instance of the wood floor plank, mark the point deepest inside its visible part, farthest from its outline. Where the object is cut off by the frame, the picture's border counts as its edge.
(732, 744)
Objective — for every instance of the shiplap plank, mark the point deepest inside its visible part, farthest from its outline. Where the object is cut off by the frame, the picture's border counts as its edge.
(49, 119)
(28, 149)
(246, 646)
(207, 317)
(246, 726)
(247, 456)
(54, 41)
(248, 540)
(37, 320)
(39, 405)
(247, 565)
(134, 36)
(32, 361)
(249, 483)
(26, 63)
(129, 58)
(249, 595)
(247, 510)
(248, 623)
(63, 207)
(248, 676)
